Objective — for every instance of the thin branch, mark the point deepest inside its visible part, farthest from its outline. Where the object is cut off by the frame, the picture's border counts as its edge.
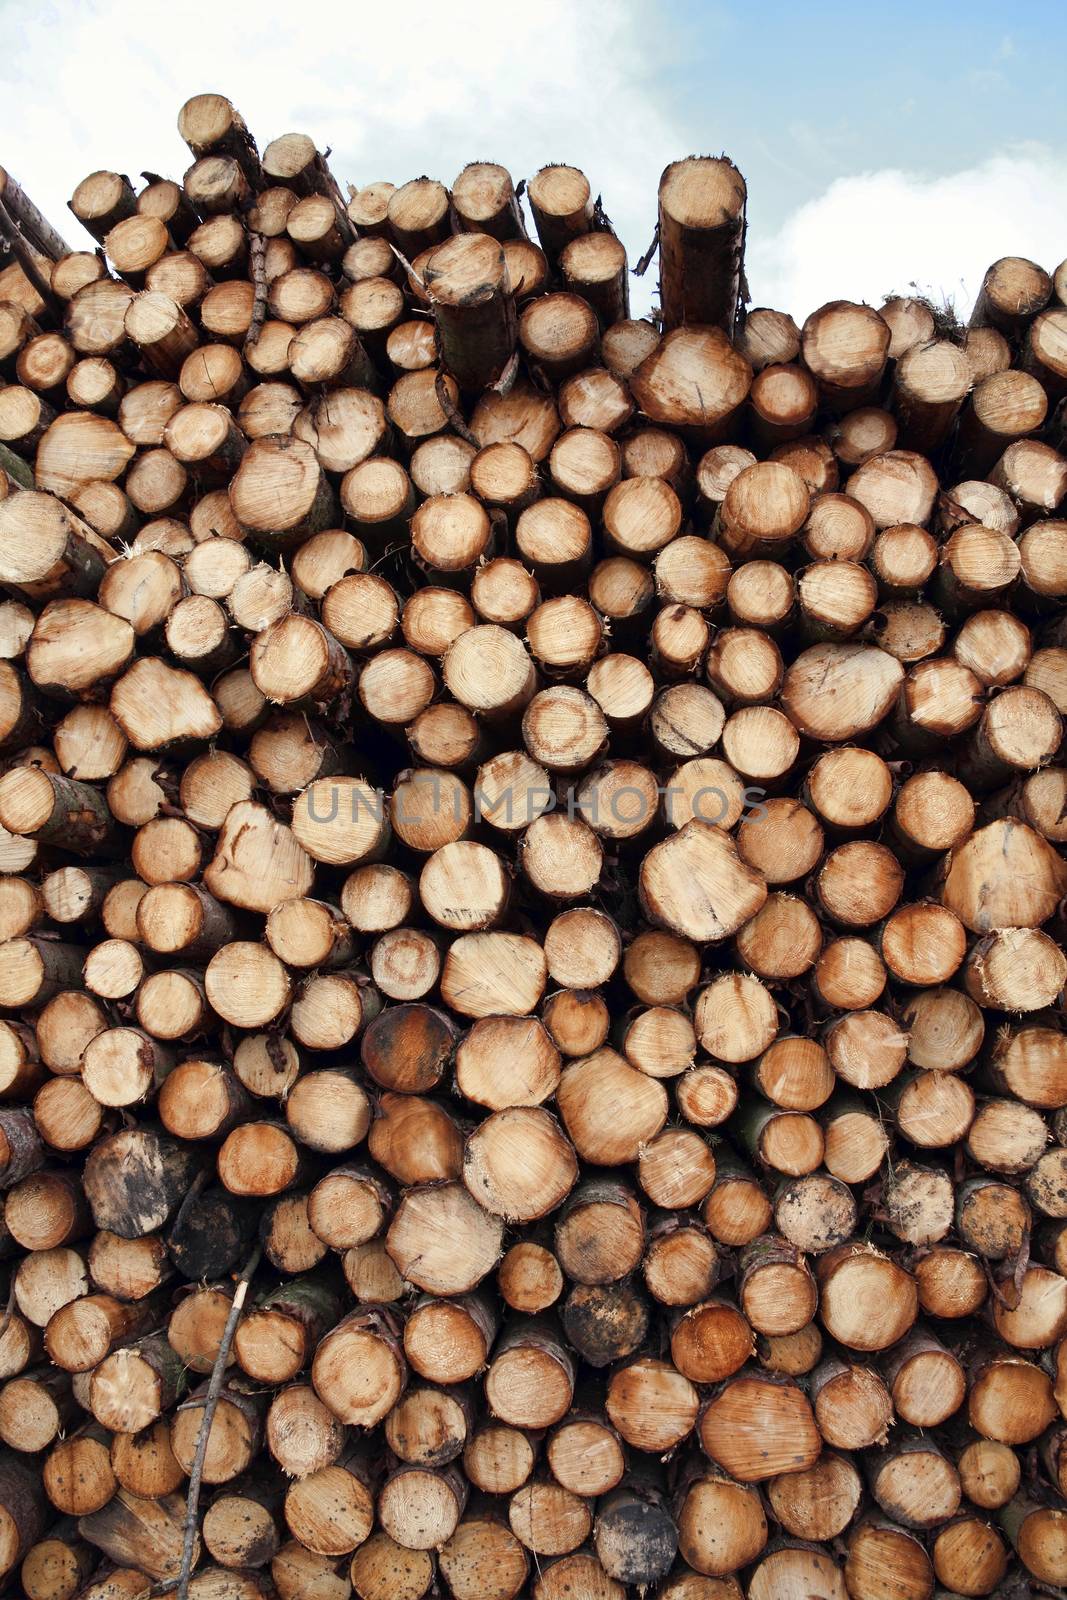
(444, 400)
(601, 220)
(201, 1177)
(211, 1400)
(28, 262)
(322, 160)
(645, 261)
(506, 381)
(410, 270)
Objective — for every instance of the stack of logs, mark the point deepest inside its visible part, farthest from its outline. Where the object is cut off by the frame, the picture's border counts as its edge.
(533, 1059)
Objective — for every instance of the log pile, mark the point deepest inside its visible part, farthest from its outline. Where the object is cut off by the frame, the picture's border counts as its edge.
(532, 1054)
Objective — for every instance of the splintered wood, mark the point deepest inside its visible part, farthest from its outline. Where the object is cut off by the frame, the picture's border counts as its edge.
(531, 912)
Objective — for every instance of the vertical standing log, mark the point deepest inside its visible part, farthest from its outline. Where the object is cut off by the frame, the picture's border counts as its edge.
(701, 241)
(473, 308)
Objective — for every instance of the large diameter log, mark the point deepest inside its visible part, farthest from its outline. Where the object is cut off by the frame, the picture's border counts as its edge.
(701, 241)
(518, 1164)
(694, 380)
(721, 1524)
(834, 692)
(280, 492)
(610, 1110)
(157, 705)
(209, 124)
(818, 1503)
(258, 862)
(930, 384)
(1004, 407)
(45, 548)
(443, 1241)
(56, 810)
(136, 1531)
(758, 1427)
(696, 885)
(101, 200)
(845, 347)
(1004, 875)
(134, 1180)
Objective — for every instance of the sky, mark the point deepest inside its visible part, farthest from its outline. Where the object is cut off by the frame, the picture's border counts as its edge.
(885, 151)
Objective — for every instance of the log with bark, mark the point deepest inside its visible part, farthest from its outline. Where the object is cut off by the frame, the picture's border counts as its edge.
(531, 903)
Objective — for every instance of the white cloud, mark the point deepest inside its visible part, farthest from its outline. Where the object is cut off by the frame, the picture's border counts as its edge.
(395, 90)
(401, 89)
(890, 232)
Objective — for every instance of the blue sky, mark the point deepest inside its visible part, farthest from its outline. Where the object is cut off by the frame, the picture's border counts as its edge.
(880, 148)
(824, 91)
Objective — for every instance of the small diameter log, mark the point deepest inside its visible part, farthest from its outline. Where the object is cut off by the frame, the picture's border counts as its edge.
(274, 1340)
(776, 1290)
(484, 201)
(530, 1381)
(768, 337)
(930, 382)
(233, 1437)
(635, 1537)
(130, 1389)
(783, 402)
(852, 1404)
(1036, 1533)
(562, 206)
(302, 1435)
(22, 1511)
(549, 1520)
(466, 279)
(593, 265)
(239, 1529)
(701, 241)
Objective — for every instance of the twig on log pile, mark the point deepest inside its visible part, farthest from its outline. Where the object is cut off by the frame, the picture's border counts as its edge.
(211, 1400)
